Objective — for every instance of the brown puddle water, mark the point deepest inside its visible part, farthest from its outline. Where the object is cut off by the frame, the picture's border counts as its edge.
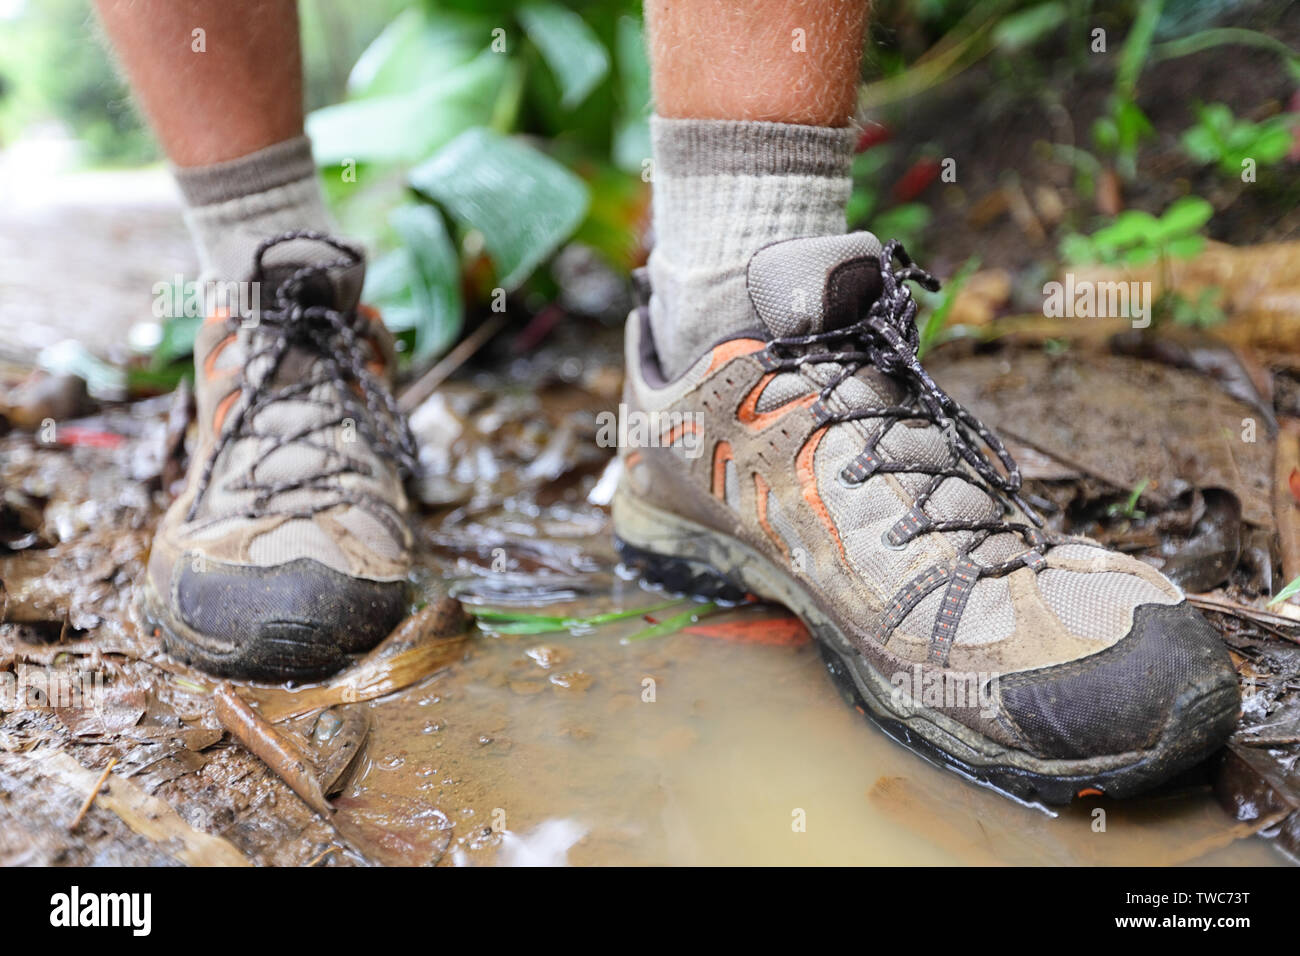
(704, 746)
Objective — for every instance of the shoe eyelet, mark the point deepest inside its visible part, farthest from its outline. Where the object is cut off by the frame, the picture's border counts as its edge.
(846, 481)
(884, 539)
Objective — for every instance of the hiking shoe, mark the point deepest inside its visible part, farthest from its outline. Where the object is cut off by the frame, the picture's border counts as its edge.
(813, 462)
(289, 547)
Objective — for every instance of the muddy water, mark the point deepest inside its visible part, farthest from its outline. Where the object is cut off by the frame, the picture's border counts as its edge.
(722, 744)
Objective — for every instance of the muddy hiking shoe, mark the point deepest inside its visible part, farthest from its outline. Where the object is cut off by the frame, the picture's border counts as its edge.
(289, 547)
(813, 462)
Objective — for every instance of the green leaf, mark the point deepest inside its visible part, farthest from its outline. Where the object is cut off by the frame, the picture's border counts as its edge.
(631, 146)
(933, 328)
(1290, 591)
(1137, 45)
(905, 222)
(516, 622)
(177, 342)
(436, 271)
(571, 49)
(671, 625)
(1078, 249)
(407, 127)
(416, 49)
(1186, 215)
(1019, 30)
(1185, 247)
(1130, 228)
(523, 202)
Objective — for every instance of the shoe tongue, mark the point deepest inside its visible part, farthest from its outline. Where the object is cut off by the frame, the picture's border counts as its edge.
(338, 287)
(805, 286)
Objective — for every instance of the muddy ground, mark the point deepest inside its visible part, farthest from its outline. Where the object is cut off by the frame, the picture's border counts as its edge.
(583, 743)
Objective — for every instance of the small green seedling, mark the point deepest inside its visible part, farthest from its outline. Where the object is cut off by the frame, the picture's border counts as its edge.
(1236, 145)
(1128, 508)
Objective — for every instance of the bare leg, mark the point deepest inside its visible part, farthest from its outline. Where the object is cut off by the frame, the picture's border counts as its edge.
(243, 92)
(772, 60)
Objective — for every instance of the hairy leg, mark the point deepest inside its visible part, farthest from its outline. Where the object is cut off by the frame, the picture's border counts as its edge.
(771, 60)
(226, 92)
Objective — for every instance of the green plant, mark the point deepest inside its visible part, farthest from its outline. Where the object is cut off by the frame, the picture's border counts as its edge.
(1128, 507)
(934, 330)
(1121, 129)
(1230, 143)
(424, 159)
(1135, 237)
(1203, 312)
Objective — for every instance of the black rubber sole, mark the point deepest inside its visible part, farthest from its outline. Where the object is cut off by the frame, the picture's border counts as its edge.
(1209, 714)
(267, 658)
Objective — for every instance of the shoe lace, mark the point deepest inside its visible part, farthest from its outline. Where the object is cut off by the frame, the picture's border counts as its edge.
(335, 338)
(887, 338)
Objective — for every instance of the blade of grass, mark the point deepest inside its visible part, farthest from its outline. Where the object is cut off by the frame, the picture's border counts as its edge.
(513, 622)
(1290, 590)
(670, 625)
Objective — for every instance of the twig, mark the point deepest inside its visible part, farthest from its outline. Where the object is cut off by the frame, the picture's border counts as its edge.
(320, 856)
(147, 815)
(1266, 619)
(90, 797)
(424, 386)
(1248, 741)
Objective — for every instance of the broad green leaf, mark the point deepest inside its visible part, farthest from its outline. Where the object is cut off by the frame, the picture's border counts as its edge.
(416, 49)
(1184, 216)
(436, 289)
(1185, 247)
(407, 127)
(632, 127)
(571, 49)
(1131, 227)
(523, 202)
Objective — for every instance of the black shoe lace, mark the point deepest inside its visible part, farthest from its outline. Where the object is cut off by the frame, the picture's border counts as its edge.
(887, 338)
(335, 338)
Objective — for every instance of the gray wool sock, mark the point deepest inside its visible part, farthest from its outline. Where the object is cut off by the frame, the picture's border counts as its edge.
(723, 189)
(232, 207)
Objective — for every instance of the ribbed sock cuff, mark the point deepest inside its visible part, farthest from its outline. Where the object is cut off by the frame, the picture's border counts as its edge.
(267, 169)
(694, 147)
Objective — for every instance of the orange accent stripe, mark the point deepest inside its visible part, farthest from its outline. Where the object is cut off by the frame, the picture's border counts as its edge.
(219, 314)
(680, 430)
(761, 490)
(223, 408)
(370, 312)
(751, 418)
(210, 363)
(633, 459)
(803, 467)
(735, 348)
(721, 455)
